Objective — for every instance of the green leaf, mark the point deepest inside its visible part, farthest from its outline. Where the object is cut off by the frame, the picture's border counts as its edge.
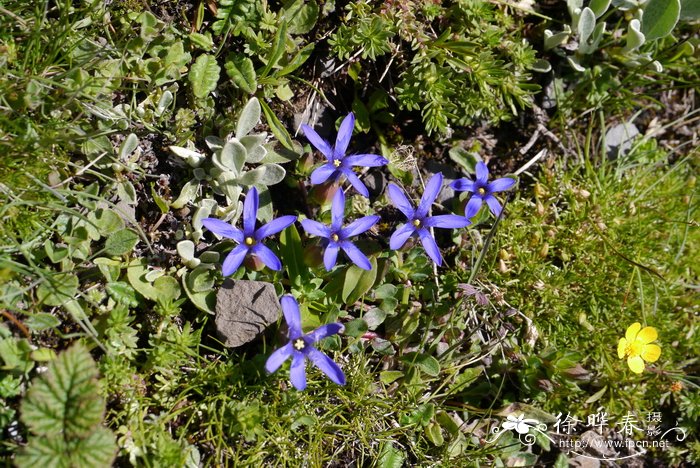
(65, 400)
(58, 289)
(242, 72)
(356, 327)
(597, 395)
(167, 288)
(277, 49)
(204, 75)
(128, 147)
(277, 128)
(136, 273)
(388, 377)
(109, 268)
(358, 281)
(690, 10)
(249, 118)
(634, 36)
(586, 24)
(123, 293)
(424, 362)
(97, 449)
(659, 18)
(299, 59)
(292, 254)
(199, 286)
(160, 201)
(106, 221)
(390, 457)
(301, 15)
(434, 434)
(126, 192)
(41, 321)
(121, 242)
(187, 194)
(599, 7)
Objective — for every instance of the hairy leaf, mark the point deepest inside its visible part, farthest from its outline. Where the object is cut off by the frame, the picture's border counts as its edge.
(65, 400)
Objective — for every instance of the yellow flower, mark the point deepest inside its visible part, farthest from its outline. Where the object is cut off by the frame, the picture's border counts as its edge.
(637, 348)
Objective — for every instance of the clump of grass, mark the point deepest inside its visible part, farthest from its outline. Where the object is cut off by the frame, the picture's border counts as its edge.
(593, 249)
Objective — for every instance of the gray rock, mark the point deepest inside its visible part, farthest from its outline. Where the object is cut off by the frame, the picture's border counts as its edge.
(244, 309)
(619, 139)
(449, 175)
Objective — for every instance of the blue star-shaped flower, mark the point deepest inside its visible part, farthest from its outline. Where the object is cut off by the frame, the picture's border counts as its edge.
(249, 239)
(418, 219)
(300, 348)
(338, 164)
(336, 236)
(482, 190)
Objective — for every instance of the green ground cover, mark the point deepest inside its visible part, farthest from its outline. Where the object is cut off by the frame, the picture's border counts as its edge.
(128, 128)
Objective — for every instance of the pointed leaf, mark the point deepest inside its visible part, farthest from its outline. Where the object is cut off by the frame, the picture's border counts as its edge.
(121, 242)
(291, 253)
(277, 128)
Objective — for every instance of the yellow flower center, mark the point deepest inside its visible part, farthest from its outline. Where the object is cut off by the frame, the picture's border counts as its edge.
(634, 349)
(416, 222)
(336, 162)
(481, 190)
(334, 237)
(299, 344)
(249, 241)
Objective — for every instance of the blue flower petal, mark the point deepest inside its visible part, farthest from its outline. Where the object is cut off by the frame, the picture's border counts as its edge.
(330, 256)
(322, 173)
(342, 140)
(275, 226)
(356, 182)
(446, 222)
(297, 373)
(234, 259)
(322, 145)
(358, 226)
(482, 173)
(315, 228)
(500, 185)
(398, 198)
(324, 331)
(290, 309)
(267, 256)
(463, 185)
(494, 205)
(277, 358)
(432, 189)
(430, 246)
(250, 212)
(357, 257)
(337, 209)
(400, 236)
(327, 366)
(365, 160)
(473, 206)
(223, 229)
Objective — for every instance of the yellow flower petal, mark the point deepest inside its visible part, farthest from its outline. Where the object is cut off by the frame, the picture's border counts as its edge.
(647, 335)
(621, 346)
(651, 352)
(632, 331)
(636, 364)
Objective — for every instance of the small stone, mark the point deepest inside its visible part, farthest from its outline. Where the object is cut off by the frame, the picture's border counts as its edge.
(244, 309)
(619, 139)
